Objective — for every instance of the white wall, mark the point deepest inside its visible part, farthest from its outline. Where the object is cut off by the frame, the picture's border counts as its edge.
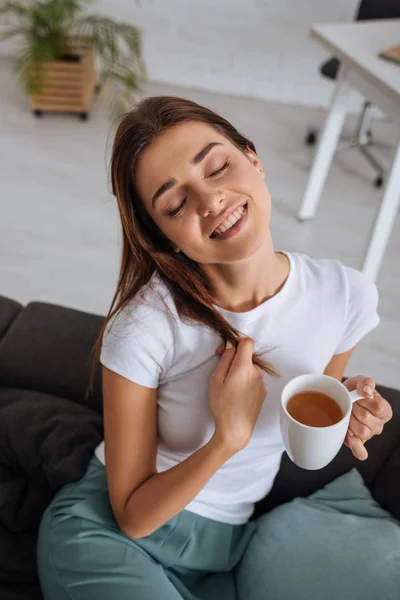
(258, 48)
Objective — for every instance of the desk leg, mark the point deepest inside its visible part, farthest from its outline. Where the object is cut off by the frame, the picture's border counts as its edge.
(326, 148)
(385, 221)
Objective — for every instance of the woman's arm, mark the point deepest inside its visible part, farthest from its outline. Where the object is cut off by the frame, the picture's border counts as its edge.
(338, 363)
(143, 500)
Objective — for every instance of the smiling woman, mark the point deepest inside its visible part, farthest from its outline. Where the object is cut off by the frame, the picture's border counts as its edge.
(206, 313)
(176, 206)
(196, 190)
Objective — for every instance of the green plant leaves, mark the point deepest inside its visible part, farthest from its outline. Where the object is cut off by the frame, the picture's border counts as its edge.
(46, 29)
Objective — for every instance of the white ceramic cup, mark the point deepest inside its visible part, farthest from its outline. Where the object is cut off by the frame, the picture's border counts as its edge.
(314, 447)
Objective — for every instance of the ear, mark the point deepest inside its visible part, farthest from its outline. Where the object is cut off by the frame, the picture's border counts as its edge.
(253, 158)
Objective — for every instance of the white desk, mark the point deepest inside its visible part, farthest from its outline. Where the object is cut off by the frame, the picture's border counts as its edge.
(356, 45)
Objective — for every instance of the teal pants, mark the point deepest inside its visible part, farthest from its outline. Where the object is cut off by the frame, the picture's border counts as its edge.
(83, 555)
(338, 543)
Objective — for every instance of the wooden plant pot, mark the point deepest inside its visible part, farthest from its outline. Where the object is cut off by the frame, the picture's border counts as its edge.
(69, 84)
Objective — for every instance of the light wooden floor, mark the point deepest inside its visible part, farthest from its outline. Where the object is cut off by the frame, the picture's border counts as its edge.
(59, 232)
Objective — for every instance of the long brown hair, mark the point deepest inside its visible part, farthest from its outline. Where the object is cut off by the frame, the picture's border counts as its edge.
(145, 249)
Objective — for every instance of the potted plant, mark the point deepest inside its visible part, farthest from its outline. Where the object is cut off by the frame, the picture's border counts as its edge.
(58, 48)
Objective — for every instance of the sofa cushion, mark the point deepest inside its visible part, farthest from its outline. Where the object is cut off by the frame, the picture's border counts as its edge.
(45, 443)
(387, 485)
(9, 310)
(47, 348)
(337, 543)
(20, 591)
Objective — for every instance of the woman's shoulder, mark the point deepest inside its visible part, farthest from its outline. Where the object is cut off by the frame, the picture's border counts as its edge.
(315, 266)
(330, 271)
(151, 310)
(154, 298)
(326, 268)
(139, 339)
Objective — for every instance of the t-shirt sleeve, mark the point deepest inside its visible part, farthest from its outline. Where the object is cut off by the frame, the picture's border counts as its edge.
(361, 303)
(137, 344)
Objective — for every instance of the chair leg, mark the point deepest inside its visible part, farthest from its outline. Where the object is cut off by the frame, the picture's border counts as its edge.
(363, 139)
(375, 164)
(346, 144)
(363, 132)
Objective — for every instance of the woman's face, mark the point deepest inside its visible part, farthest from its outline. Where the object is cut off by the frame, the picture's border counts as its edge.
(207, 197)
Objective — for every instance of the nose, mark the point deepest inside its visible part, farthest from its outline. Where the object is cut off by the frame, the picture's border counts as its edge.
(211, 201)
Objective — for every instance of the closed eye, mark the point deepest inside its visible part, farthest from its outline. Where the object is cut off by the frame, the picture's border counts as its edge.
(224, 167)
(176, 211)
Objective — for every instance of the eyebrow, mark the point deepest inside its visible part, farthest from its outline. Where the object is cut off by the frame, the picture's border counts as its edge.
(195, 161)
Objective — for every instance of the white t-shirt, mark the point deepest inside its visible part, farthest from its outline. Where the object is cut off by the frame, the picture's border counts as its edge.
(323, 309)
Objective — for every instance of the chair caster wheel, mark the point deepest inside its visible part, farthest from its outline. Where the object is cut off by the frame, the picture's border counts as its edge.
(311, 138)
(38, 113)
(379, 181)
(84, 116)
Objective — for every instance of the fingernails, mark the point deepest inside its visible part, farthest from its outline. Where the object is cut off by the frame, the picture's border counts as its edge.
(228, 345)
(368, 390)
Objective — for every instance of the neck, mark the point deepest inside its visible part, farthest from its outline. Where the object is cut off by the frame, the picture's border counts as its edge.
(244, 285)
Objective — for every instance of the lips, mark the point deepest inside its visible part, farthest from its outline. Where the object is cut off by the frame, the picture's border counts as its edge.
(229, 220)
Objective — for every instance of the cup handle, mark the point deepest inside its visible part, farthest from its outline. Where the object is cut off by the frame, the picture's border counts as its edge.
(355, 396)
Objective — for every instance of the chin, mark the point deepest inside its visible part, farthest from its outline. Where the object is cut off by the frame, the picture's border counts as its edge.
(248, 248)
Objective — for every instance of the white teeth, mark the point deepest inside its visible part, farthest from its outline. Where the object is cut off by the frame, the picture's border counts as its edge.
(230, 221)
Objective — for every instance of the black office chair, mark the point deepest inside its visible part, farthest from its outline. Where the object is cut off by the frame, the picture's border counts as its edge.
(362, 138)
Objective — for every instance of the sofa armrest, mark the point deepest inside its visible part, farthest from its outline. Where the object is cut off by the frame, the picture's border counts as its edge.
(9, 310)
(47, 348)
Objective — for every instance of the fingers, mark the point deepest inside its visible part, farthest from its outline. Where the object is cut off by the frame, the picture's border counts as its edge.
(244, 352)
(358, 433)
(356, 446)
(368, 417)
(220, 350)
(246, 346)
(370, 414)
(232, 357)
(365, 386)
(363, 432)
(377, 406)
(225, 363)
(362, 427)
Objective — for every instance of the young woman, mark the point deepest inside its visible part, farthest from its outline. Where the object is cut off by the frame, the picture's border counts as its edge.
(208, 323)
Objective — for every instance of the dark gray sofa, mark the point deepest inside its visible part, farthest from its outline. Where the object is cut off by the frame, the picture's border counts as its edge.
(48, 433)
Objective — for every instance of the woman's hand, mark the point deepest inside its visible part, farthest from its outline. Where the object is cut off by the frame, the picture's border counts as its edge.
(368, 416)
(236, 394)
